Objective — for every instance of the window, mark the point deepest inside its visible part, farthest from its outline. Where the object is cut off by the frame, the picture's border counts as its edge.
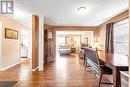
(61, 40)
(121, 32)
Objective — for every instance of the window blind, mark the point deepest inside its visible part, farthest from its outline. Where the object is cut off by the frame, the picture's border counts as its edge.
(121, 35)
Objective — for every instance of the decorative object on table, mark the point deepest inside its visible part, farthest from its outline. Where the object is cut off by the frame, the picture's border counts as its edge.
(73, 50)
(83, 45)
(11, 33)
(86, 41)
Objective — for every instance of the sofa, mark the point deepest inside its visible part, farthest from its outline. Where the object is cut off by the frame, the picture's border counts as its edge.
(64, 50)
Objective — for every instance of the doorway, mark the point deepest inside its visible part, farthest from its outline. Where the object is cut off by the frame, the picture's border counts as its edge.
(69, 42)
(24, 45)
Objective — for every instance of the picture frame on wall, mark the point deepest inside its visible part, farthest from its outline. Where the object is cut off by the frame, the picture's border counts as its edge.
(11, 33)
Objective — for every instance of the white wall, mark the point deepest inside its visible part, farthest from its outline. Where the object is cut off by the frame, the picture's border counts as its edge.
(30, 44)
(10, 47)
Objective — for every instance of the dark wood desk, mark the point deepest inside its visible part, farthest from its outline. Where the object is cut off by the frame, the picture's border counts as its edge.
(117, 63)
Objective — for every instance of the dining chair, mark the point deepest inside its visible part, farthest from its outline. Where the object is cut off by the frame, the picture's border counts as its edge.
(93, 60)
(85, 62)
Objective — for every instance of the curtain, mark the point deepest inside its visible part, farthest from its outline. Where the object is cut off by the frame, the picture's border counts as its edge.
(109, 45)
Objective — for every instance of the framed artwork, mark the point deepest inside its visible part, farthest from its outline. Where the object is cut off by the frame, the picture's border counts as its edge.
(11, 34)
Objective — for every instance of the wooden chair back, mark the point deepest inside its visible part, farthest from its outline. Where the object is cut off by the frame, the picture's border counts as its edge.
(92, 58)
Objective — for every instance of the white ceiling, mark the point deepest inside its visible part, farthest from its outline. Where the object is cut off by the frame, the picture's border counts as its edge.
(63, 12)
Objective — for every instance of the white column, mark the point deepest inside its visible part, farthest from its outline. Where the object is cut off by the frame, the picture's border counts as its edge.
(129, 43)
(41, 44)
(0, 45)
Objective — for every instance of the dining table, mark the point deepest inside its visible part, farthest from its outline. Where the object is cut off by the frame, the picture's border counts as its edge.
(117, 63)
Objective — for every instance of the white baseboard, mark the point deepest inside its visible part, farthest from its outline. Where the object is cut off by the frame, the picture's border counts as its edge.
(35, 69)
(10, 66)
(40, 67)
(41, 63)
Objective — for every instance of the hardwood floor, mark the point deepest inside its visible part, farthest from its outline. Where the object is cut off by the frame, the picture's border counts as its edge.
(67, 71)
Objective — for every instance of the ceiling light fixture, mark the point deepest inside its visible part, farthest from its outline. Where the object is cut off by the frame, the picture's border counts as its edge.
(82, 10)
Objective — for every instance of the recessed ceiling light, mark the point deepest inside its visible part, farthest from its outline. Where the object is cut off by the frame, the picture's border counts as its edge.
(82, 10)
